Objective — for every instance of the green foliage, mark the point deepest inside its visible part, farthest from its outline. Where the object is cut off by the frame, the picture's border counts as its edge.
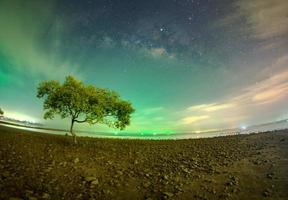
(84, 103)
(1, 112)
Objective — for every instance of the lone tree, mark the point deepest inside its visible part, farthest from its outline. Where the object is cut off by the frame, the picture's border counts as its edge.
(84, 103)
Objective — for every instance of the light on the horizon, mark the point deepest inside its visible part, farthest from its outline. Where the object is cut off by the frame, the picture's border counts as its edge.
(20, 117)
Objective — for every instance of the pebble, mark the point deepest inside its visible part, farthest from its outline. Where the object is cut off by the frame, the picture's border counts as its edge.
(267, 193)
(95, 182)
(168, 194)
(90, 178)
(76, 160)
(270, 175)
(120, 173)
(146, 184)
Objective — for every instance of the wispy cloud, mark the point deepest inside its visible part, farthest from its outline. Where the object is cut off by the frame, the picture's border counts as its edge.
(23, 34)
(271, 89)
(265, 20)
(20, 116)
(160, 53)
(210, 107)
(246, 104)
(193, 119)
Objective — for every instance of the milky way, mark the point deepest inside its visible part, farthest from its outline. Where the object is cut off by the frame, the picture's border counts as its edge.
(186, 65)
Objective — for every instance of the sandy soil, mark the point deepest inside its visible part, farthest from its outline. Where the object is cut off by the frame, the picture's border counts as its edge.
(41, 166)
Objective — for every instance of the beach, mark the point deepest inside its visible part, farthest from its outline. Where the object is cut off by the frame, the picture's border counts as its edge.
(45, 166)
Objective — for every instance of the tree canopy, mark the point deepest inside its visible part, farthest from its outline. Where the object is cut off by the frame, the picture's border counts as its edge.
(1, 112)
(84, 103)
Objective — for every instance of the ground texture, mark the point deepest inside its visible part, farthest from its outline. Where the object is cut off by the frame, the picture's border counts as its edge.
(41, 166)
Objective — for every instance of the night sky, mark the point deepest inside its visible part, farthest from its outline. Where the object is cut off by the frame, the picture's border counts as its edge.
(186, 65)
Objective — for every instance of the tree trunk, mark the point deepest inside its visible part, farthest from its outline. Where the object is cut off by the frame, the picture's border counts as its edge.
(71, 131)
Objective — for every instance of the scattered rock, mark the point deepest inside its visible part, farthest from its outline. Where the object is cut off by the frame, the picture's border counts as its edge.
(267, 193)
(146, 184)
(48, 169)
(168, 194)
(45, 196)
(95, 182)
(165, 177)
(90, 178)
(270, 175)
(120, 173)
(32, 198)
(76, 160)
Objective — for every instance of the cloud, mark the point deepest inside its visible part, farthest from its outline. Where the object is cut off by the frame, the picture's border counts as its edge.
(20, 116)
(273, 87)
(25, 27)
(267, 18)
(193, 119)
(251, 103)
(210, 107)
(159, 53)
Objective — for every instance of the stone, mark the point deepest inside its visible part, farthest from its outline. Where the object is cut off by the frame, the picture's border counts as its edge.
(95, 182)
(32, 198)
(46, 196)
(120, 173)
(146, 184)
(76, 160)
(185, 170)
(168, 194)
(267, 193)
(90, 178)
(270, 175)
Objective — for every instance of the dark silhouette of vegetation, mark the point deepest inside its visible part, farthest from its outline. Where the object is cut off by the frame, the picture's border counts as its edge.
(84, 103)
(1, 112)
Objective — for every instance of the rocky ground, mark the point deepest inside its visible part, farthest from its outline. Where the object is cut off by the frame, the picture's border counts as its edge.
(41, 166)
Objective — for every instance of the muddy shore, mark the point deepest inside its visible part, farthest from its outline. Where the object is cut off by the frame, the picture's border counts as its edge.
(42, 166)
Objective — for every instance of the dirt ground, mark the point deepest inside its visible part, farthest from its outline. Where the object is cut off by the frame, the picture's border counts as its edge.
(42, 166)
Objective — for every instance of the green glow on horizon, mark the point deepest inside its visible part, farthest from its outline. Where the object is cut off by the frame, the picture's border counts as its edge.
(156, 132)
